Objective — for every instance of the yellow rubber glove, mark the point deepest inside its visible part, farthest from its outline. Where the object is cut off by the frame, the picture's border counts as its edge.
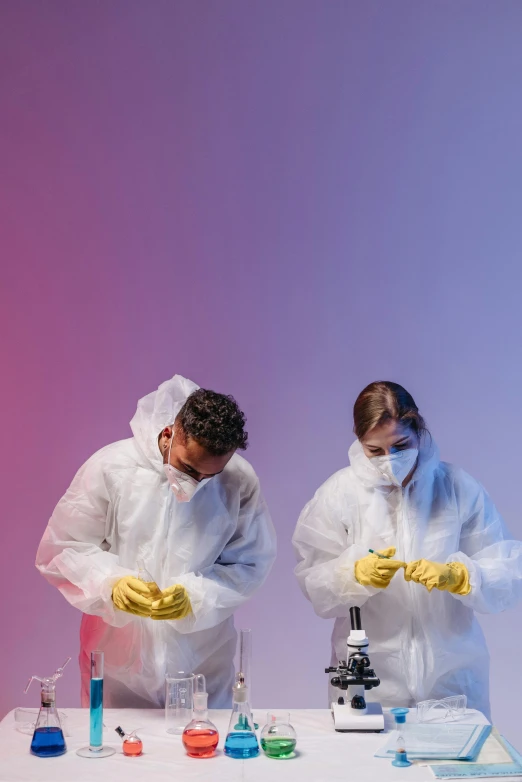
(132, 595)
(174, 604)
(453, 577)
(376, 572)
(154, 590)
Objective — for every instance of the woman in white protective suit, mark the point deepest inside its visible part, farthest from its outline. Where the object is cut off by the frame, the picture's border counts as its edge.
(178, 499)
(449, 551)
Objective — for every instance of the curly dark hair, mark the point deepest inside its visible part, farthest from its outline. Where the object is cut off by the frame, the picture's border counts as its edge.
(214, 421)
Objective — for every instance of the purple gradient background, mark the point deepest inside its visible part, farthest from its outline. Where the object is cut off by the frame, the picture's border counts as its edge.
(280, 199)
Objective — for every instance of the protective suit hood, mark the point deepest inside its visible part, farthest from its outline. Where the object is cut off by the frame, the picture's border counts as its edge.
(371, 477)
(156, 411)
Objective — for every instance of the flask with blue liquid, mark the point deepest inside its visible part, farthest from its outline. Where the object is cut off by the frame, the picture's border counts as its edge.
(241, 741)
(48, 740)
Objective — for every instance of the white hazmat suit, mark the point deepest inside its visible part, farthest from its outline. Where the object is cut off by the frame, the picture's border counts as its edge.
(119, 509)
(422, 644)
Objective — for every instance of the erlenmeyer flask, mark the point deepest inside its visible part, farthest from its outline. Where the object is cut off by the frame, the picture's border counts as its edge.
(241, 741)
(48, 740)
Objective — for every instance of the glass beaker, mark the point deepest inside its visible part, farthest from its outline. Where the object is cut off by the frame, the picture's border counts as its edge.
(179, 699)
(278, 737)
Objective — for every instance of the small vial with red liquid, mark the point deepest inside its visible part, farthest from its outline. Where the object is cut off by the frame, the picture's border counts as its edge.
(132, 744)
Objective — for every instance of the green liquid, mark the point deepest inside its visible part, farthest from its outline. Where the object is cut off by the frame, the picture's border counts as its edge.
(278, 748)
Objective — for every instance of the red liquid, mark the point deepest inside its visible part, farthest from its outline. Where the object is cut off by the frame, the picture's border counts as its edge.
(132, 748)
(200, 743)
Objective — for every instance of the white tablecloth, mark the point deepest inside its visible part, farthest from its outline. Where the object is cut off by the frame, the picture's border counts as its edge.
(323, 755)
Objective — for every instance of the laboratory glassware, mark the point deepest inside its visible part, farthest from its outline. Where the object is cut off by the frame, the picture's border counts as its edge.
(278, 737)
(25, 721)
(96, 748)
(241, 741)
(144, 575)
(401, 756)
(48, 740)
(200, 737)
(132, 745)
(179, 691)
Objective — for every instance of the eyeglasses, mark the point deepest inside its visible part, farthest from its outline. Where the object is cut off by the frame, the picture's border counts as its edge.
(443, 710)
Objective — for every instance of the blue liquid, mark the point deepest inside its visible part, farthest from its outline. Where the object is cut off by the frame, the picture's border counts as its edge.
(96, 737)
(242, 744)
(48, 742)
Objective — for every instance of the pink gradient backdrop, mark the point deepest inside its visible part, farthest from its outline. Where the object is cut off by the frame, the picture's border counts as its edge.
(280, 199)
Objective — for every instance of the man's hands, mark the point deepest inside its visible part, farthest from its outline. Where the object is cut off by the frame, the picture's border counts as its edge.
(141, 598)
(173, 604)
(132, 595)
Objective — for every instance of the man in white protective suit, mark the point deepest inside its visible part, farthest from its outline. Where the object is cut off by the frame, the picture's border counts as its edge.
(178, 503)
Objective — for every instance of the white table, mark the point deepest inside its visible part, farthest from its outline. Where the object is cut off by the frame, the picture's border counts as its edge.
(323, 754)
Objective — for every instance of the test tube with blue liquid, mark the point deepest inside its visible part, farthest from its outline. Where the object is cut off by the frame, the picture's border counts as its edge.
(96, 748)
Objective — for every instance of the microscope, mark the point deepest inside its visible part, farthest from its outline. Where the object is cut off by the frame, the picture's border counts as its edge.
(351, 711)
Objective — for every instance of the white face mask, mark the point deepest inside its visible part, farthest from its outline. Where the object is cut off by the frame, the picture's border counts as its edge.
(397, 466)
(183, 485)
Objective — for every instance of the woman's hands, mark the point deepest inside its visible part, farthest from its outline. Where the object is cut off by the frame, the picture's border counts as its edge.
(453, 577)
(378, 572)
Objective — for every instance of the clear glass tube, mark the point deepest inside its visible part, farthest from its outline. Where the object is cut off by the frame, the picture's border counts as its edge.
(245, 658)
(96, 748)
(96, 715)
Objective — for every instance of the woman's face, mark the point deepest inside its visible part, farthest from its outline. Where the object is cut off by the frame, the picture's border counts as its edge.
(390, 437)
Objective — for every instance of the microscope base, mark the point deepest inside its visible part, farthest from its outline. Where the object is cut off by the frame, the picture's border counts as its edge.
(346, 718)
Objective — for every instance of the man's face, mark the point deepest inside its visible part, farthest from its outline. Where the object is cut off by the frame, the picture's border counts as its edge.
(188, 456)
